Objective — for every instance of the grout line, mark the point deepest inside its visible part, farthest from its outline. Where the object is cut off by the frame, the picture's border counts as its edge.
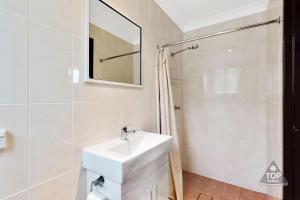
(198, 196)
(11, 104)
(200, 193)
(29, 104)
(113, 101)
(34, 21)
(37, 185)
(78, 37)
(72, 105)
(222, 189)
(15, 194)
(50, 27)
(13, 13)
(29, 101)
(240, 192)
(49, 103)
(223, 186)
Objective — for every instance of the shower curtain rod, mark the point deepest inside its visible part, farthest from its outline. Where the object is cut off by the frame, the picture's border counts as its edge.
(118, 56)
(278, 20)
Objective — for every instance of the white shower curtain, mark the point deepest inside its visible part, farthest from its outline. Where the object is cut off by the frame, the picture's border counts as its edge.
(166, 122)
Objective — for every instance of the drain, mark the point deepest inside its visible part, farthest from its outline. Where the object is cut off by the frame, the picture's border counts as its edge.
(201, 194)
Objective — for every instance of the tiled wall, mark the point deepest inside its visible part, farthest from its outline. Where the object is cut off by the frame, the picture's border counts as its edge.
(275, 114)
(50, 114)
(227, 86)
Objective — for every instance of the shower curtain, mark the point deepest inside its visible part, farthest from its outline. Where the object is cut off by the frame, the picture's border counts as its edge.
(166, 122)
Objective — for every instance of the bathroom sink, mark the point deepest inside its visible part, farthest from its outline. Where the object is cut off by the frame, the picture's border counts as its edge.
(119, 159)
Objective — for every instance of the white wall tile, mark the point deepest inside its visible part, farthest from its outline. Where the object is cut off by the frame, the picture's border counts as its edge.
(56, 47)
(50, 65)
(52, 13)
(224, 98)
(80, 184)
(274, 111)
(19, 7)
(78, 54)
(239, 119)
(111, 119)
(147, 116)
(78, 18)
(58, 189)
(87, 127)
(51, 141)
(22, 196)
(14, 159)
(13, 59)
(129, 113)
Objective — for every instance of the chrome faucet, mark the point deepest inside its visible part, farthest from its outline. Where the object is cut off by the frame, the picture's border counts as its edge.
(125, 132)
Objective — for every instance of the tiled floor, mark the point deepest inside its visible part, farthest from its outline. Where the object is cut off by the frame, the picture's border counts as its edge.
(201, 188)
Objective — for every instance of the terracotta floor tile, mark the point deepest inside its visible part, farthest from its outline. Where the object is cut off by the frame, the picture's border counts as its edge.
(194, 184)
(230, 195)
(230, 192)
(204, 197)
(190, 197)
(251, 195)
(272, 198)
(243, 198)
(231, 188)
(190, 194)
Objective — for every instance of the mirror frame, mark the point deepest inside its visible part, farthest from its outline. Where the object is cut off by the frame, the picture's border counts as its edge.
(87, 79)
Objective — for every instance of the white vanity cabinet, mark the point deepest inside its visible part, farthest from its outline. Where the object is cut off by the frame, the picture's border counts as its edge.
(133, 169)
(154, 187)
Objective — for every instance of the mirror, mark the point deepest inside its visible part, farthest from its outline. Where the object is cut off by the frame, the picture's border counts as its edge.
(113, 46)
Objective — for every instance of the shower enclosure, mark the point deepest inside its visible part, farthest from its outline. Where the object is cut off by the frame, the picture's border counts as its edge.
(231, 108)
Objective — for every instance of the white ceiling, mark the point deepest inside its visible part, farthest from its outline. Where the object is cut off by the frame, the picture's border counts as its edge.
(193, 14)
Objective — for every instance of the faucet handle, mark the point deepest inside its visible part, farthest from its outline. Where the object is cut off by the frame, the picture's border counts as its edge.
(125, 132)
(125, 127)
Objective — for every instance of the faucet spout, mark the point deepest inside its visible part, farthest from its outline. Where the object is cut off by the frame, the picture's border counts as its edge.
(125, 132)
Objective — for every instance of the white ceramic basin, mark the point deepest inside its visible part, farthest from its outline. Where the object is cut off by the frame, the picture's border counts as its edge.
(119, 159)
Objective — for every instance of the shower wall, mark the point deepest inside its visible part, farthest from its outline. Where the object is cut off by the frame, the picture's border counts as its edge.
(228, 84)
(275, 100)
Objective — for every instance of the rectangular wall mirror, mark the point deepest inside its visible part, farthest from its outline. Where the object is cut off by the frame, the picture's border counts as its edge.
(113, 46)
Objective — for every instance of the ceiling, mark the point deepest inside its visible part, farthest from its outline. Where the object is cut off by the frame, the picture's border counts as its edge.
(193, 14)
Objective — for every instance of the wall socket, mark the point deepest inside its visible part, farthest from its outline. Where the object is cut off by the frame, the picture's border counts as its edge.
(2, 139)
